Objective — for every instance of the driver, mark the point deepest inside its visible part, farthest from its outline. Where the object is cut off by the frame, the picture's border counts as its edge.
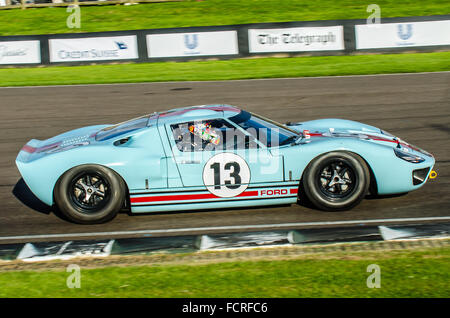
(205, 132)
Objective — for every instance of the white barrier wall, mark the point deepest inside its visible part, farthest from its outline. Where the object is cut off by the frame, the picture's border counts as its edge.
(333, 37)
(409, 34)
(192, 44)
(93, 49)
(20, 52)
(296, 39)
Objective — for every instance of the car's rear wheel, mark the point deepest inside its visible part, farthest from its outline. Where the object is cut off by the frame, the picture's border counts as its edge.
(90, 194)
(336, 181)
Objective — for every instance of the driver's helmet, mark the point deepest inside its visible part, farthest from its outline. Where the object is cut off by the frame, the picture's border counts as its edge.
(205, 132)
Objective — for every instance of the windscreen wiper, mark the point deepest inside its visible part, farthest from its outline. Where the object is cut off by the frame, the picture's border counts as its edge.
(291, 139)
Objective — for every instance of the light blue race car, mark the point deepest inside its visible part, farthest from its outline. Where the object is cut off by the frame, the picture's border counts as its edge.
(217, 156)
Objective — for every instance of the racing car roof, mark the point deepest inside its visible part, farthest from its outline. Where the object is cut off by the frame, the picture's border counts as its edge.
(195, 112)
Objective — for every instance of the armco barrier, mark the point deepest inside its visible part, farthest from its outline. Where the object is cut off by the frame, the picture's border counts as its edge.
(176, 244)
(10, 251)
(43, 251)
(331, 37)
(350, 234)
(411, 231)
(236, 240)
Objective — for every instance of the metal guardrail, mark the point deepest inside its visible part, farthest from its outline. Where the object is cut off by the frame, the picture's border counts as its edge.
(24, 4)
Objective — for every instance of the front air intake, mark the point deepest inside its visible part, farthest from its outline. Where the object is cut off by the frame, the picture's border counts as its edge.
(420, 175)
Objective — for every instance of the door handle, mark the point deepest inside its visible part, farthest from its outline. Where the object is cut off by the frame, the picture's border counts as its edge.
(187, 162)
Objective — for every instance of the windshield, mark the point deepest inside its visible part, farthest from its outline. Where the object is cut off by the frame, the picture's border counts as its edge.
(268, 132)
(122, 128)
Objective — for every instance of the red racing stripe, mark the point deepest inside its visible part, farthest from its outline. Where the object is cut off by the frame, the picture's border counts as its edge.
(31, 149)
(197, 196)
(181, 197)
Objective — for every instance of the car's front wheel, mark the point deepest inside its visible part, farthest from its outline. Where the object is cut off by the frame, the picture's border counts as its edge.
(336, 181)
(89, 194)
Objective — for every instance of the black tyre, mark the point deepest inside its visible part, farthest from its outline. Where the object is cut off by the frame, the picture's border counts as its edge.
(336, 181)
(90, 194)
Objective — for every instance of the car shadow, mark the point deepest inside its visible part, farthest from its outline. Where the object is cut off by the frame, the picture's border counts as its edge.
(204, 210)
(23, 193)
(384, 196)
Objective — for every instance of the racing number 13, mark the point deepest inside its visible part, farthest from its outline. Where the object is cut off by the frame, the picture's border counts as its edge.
(226, 175)
(234, 174)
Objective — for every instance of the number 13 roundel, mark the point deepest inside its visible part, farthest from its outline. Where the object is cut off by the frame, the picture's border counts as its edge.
(226, 175)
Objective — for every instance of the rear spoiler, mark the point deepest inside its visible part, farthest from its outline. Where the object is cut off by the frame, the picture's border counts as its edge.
(34, 148)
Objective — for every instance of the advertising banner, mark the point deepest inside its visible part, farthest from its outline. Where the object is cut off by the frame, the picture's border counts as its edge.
(93, 49)
(20, 52)
(408, 34)
(296, 39)
(192, 44)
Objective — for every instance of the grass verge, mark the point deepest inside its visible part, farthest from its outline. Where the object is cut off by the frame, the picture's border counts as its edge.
(203, 13)
(404, 273)
(227, 70)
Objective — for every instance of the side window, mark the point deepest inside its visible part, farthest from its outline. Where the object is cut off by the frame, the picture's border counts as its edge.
(268, 133)
(208, 135)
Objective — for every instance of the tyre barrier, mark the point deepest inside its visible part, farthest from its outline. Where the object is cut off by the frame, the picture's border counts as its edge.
(42, 251)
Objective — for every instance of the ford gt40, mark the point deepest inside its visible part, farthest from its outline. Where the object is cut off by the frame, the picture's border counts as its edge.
(217, 156)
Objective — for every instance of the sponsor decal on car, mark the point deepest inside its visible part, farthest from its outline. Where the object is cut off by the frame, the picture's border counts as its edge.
(277, 192)
(226, 175)
(203, 197)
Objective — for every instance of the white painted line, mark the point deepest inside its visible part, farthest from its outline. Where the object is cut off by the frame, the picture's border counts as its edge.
(218, 228)
(224, 81)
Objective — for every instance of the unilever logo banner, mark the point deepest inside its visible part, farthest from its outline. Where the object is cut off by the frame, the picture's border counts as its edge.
(405, 35)
(192, 44)
(296, 39)
(191, 41)
(93, 49)
(409, 34)
(20, 52)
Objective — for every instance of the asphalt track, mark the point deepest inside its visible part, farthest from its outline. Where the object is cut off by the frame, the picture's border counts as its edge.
(416, 107)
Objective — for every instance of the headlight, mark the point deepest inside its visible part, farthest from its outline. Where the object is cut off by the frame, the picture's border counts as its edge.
(408, 156)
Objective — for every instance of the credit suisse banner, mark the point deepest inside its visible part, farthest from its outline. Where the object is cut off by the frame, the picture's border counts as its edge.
(20, 52)
(296, 39)
(192, 44)
(386, 35)
(93, 49)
